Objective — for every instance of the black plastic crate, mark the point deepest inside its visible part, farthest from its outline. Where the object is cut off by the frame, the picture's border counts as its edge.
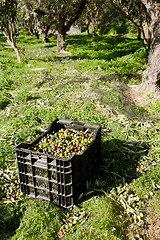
(58, 179)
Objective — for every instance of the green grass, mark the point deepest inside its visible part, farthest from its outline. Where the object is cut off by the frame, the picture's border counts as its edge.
(86, 83)
(40, 221)
(107, 220)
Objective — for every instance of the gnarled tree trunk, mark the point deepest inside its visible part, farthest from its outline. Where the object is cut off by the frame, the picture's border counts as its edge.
(61, 45)
(151, 76)
(64, 25)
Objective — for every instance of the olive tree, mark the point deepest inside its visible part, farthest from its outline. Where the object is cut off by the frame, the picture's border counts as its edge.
(136, 12)
(65, 14)
(59, 14)
(151, 76)
(102, 16)
(94, 8)
(8, 11)
(35, 17)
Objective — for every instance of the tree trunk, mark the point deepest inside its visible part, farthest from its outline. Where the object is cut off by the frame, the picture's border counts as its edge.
(17, 53)
(61, 45)
(88, 30)
(87, 26)
(31, 31)
(139, 34)
(44, 33)
(63, 25)
(11, 42)
(94, 29)
(36, 34)
(151, 76)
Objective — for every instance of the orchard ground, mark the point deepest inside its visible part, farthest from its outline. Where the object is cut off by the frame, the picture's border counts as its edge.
(90, 82)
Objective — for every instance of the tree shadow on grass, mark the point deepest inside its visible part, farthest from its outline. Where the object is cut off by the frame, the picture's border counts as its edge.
(120, 160)
(118, 166)
(10, 216)
(98, 49)
(93, 53)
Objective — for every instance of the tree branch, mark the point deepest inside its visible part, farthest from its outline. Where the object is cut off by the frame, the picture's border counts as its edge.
(147, 40)
(77, 13)
(5, 46)
(125, 14)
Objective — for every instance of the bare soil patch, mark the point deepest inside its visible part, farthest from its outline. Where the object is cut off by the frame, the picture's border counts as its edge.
(152, 223)
(137, 97)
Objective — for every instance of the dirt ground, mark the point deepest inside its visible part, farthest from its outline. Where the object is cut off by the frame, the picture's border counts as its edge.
(137, 97)
(151, 227)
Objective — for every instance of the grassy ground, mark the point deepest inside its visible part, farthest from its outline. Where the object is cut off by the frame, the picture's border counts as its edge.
(85, 83)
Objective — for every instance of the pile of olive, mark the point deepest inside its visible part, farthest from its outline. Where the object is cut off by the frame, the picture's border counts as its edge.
(65, 142)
